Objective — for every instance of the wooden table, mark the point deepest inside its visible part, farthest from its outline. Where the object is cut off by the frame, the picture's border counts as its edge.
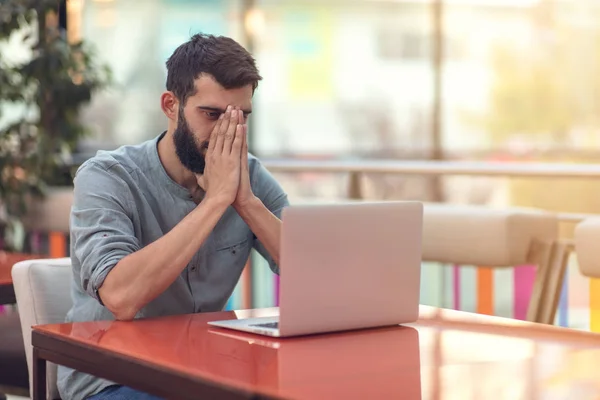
(7, 260)
(447, 354)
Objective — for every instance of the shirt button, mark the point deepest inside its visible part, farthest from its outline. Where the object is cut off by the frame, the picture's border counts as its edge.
(193, 268)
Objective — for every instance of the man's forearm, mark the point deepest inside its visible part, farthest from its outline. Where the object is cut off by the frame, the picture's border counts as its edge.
(140, 277)
(264, 224)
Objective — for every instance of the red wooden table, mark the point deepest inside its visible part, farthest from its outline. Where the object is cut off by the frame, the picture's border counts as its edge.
(446, 354)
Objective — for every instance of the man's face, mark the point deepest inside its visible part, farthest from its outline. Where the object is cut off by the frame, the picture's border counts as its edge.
(199, 116)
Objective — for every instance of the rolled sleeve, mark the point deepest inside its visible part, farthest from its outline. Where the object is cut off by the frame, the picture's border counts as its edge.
(102, 229)
(269, 191)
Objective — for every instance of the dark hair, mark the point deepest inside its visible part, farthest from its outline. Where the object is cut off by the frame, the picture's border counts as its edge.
(226, 60)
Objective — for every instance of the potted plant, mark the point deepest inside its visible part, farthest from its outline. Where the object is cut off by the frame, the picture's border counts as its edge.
(49, 89)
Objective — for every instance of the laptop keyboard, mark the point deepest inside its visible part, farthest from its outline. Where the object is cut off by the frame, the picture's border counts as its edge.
(272, 325)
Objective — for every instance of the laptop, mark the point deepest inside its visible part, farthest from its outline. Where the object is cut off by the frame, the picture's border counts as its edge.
(344, 267)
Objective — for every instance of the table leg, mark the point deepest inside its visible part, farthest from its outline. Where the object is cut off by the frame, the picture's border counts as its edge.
(39, 376)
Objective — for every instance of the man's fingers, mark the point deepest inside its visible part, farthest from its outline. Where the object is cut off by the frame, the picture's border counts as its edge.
(223, 128)
(229, 135)
(215, 132)
(238, 141)
(242, 122)
(245, 146)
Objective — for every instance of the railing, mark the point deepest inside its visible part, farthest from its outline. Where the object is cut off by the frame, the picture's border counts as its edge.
(357, 168)
(484, 168)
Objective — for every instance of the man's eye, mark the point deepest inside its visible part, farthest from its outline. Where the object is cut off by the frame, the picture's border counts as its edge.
(212, 115)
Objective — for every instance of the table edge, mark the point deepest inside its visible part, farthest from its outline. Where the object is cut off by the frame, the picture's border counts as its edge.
(130, 370)
(537, 332)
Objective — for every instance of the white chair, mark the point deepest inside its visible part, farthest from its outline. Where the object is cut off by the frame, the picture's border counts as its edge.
(43, 292)
(587, 247)
(496, 238)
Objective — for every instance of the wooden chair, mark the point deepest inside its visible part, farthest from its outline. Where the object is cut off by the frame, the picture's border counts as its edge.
(495, 238)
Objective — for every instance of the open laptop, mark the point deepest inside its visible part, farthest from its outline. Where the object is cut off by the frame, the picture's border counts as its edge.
(343, 267)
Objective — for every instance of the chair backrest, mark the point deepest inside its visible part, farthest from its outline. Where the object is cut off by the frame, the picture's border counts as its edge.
(587, 238)
(43, 292)
(483, 236)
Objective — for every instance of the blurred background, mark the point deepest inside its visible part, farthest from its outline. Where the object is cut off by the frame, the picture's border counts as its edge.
(398, 80)
(457, 80)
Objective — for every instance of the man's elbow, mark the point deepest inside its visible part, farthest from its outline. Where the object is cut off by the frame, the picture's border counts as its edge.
(118, 304)
(124, 314)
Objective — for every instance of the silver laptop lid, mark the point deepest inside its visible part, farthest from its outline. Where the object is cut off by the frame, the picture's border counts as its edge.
(349, 266)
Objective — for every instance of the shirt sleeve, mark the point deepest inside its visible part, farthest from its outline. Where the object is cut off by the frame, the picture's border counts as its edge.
(102, 230)
(270, 192)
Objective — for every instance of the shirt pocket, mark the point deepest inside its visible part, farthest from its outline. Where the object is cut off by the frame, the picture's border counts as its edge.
(232, 253)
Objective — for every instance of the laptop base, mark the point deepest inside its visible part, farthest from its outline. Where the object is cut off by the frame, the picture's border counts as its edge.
(266, 326)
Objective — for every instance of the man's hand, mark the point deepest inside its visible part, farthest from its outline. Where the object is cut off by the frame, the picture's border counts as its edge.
(244, 194)
(221, 178)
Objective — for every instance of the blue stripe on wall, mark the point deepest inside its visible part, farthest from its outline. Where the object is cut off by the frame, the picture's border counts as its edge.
(447, 285)
(503, 292)
(468, 288)
(431, 284)
(563, 305)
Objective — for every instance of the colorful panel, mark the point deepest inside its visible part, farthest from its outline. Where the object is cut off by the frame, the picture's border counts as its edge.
(594, 305)
(503, 288)
(57, 242)
(468, 288)
(524, 276)
(432, 281)
(485, 291)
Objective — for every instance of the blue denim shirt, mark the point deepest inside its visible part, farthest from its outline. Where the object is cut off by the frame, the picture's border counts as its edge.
(123, 201)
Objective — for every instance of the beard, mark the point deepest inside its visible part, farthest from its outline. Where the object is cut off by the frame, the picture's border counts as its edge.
(188, 150)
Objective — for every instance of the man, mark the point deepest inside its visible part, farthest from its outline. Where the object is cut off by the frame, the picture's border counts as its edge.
(166, 227)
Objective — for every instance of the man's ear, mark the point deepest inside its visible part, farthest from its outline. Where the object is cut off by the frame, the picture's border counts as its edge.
(169, 105)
